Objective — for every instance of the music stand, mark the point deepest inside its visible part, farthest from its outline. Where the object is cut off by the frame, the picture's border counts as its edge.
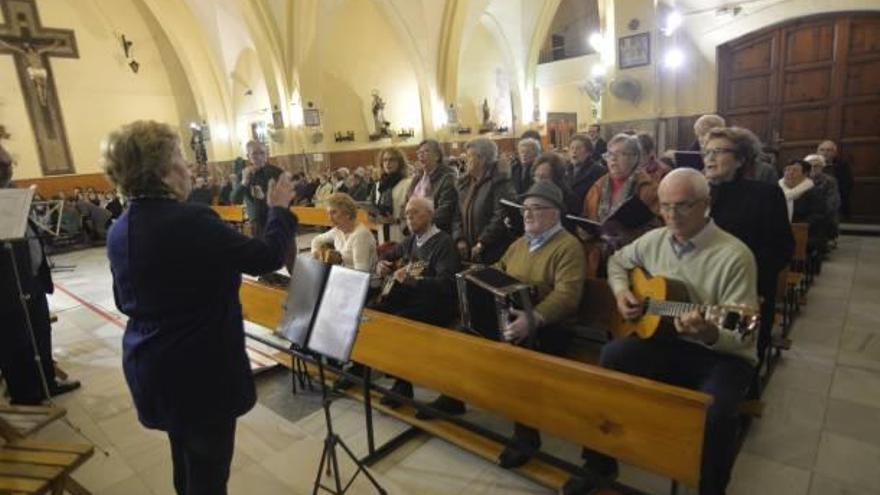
(332, 335)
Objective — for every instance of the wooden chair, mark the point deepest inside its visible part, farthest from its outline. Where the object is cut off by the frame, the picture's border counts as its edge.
(35, 467)
(798, 276)
(649, 424)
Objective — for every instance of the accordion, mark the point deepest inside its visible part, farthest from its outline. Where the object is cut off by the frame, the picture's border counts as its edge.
(486, 296)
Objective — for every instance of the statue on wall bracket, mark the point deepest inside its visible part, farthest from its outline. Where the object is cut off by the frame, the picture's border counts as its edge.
(382, 126)
(486, 125)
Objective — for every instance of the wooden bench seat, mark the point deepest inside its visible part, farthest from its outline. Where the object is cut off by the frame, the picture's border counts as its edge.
(645, 423)
(28, 466)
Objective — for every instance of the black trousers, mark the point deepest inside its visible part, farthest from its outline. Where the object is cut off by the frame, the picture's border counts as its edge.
(201, 455)
(725, 377)
(17, 361)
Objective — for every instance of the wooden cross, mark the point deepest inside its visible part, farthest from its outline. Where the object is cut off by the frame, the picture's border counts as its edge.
(31, 45)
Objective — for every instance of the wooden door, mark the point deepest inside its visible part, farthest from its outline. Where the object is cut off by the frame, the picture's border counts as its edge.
(808, 80)
(560, 128)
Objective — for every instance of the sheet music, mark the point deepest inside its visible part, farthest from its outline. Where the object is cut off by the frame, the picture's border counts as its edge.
(15, 205)
(303, 295)
(338, 318)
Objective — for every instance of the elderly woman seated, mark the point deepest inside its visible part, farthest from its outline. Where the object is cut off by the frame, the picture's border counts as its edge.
(806, 204)
(352, 239)
(624, 181)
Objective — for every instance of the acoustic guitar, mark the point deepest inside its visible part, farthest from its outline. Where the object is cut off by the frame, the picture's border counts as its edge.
(663, 299)
(413, 269)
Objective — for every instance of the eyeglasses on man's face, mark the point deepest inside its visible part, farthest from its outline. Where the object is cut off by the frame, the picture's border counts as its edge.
(682, 208)
(713, 152)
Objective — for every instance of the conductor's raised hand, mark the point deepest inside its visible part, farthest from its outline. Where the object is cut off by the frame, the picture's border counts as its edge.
(281, 192)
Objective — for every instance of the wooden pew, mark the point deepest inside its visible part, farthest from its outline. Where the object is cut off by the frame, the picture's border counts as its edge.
(642, 422)
(232, 214)
(310, 215)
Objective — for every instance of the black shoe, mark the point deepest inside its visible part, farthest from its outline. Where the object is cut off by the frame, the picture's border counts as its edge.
(63, 386)
(444, 404)
(515, 456)
(606, 469)
(400, 387)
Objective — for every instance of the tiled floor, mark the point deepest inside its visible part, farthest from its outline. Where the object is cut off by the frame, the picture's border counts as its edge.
(820, 434)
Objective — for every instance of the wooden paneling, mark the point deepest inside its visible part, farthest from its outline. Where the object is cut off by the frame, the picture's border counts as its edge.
(807, 86)
(825, 86)
(809, 44)
(861, 119)
(806, 124)
(863, 79)
(749, 92)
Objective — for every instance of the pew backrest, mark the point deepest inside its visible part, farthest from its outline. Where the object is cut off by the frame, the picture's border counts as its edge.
(649, 424)
(230, 213)
(315, 216)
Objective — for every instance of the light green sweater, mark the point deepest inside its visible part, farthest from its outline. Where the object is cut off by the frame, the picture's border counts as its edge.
(556, 269)
(719, 270)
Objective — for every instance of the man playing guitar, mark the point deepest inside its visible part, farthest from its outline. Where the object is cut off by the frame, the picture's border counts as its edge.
(717, 269)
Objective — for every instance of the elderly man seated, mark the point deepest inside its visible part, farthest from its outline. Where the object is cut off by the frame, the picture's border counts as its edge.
(424, 284)
(552, 261)
(827, 187)
(717, 269)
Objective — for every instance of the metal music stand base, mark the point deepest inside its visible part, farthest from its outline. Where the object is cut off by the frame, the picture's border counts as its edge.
(329, 457)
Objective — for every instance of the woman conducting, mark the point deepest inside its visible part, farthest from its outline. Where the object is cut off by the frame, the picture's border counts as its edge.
(176, 273)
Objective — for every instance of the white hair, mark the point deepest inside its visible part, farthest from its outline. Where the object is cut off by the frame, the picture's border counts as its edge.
(531, 143)
(697, 181)
(815, 159)
(485, 147)
(422, 202)
(708, 122)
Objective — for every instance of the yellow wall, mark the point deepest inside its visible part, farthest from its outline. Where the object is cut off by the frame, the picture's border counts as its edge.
(480, 59)
(559, 83)
(97, 91)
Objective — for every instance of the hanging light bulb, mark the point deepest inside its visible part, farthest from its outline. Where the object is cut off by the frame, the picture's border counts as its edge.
(673, 59)
(674, 20)
(596, 41)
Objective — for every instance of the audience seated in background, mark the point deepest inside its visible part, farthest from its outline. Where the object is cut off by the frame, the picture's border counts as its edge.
(423, 286)
(227, 186)
(202, 192)
(717, 269)
(358, 187)
(323, 191)
(623, 181)
(480, 233)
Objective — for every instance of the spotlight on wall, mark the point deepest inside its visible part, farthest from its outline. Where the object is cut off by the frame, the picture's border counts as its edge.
(674, 20)
(673, 59)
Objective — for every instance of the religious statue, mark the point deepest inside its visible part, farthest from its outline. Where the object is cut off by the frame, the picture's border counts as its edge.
(379, 115)
(486, 117)
(197, 144)
(37, 72)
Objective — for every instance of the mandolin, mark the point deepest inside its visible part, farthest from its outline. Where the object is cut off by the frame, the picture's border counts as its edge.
(663, 299)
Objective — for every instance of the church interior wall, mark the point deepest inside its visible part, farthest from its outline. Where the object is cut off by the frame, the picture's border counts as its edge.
(483, 75)
(98, 91)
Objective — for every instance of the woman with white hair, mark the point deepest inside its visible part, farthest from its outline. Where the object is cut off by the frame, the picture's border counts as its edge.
(624, 181)
(480, 233)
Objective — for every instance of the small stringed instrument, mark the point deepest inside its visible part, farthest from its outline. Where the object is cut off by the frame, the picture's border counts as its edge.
(663, 299)
(413, 269)
(327, 253)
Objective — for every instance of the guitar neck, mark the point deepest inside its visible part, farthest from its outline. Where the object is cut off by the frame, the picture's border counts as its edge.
(671, 308)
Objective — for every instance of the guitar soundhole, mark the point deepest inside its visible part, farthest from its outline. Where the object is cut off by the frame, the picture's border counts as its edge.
(732, 320)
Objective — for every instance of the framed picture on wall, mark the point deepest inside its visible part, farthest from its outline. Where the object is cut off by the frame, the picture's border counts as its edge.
(634, 51)
(311, 117)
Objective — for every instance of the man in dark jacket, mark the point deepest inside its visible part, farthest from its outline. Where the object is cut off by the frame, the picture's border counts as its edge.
(841, 171)
(521, 166)
(254, 186)
(599, 144)
(24, 380)
(584, 170)
(424, 286)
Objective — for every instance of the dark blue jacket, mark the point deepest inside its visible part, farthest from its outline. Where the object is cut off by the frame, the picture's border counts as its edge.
(176, 274)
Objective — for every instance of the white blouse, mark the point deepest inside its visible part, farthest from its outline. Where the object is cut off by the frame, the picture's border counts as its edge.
(358, 249)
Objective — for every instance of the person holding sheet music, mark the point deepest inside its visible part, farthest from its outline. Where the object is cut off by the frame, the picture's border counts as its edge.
(17, 360)
(624, 180)
(424, 282)
(716, 268)
(176, 274)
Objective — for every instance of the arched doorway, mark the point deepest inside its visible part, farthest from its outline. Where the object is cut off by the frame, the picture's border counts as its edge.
(807, 80)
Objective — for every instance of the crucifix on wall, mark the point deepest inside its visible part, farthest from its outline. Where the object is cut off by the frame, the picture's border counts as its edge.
(31, 45)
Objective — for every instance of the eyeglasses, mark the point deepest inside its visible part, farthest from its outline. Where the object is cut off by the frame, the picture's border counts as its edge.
(535, 209)
(712, 153)
(615, 155)
(678, 208)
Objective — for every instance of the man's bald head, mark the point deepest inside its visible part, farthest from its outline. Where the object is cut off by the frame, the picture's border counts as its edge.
(684, 202)
(419, 214)
(689, 180)
(828, 150)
